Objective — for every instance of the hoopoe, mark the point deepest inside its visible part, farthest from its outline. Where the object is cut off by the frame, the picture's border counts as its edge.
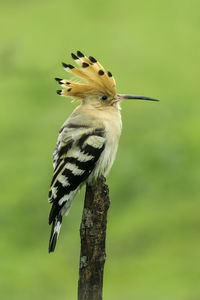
(88, 140)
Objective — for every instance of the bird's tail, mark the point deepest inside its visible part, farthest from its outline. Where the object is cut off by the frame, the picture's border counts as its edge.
(56, 225)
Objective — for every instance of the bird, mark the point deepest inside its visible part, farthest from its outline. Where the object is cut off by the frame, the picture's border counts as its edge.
(88, 140)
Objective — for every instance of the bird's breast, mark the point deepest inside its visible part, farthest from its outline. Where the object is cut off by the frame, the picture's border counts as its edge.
(112, 125)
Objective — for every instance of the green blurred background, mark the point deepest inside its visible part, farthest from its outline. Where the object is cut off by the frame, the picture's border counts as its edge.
(153, 235)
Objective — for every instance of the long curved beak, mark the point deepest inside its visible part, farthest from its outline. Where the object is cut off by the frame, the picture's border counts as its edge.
(125, 96)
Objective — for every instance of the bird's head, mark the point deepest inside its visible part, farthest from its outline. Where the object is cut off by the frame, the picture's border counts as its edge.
(97, 86)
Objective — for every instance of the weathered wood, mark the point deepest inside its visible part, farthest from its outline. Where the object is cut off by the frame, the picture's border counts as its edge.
(93, 237)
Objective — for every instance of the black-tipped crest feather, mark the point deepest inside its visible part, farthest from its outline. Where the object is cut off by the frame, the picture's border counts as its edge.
(80, 54)
(95, 78)
(58, 79)
(74, 56)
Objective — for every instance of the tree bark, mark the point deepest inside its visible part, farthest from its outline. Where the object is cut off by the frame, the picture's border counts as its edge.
(93, 237)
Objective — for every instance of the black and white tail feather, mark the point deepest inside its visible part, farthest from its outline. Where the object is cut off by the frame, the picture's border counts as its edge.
(55, 230)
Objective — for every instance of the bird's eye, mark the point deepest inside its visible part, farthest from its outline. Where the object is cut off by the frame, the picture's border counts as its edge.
(104, 98)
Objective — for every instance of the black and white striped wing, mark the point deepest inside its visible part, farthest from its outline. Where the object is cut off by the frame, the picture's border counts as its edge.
(75, 156)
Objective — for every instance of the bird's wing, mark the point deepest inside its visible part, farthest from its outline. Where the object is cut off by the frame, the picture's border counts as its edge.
(77, 151)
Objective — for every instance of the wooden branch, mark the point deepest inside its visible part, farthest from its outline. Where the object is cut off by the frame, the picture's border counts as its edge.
(93, 237)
